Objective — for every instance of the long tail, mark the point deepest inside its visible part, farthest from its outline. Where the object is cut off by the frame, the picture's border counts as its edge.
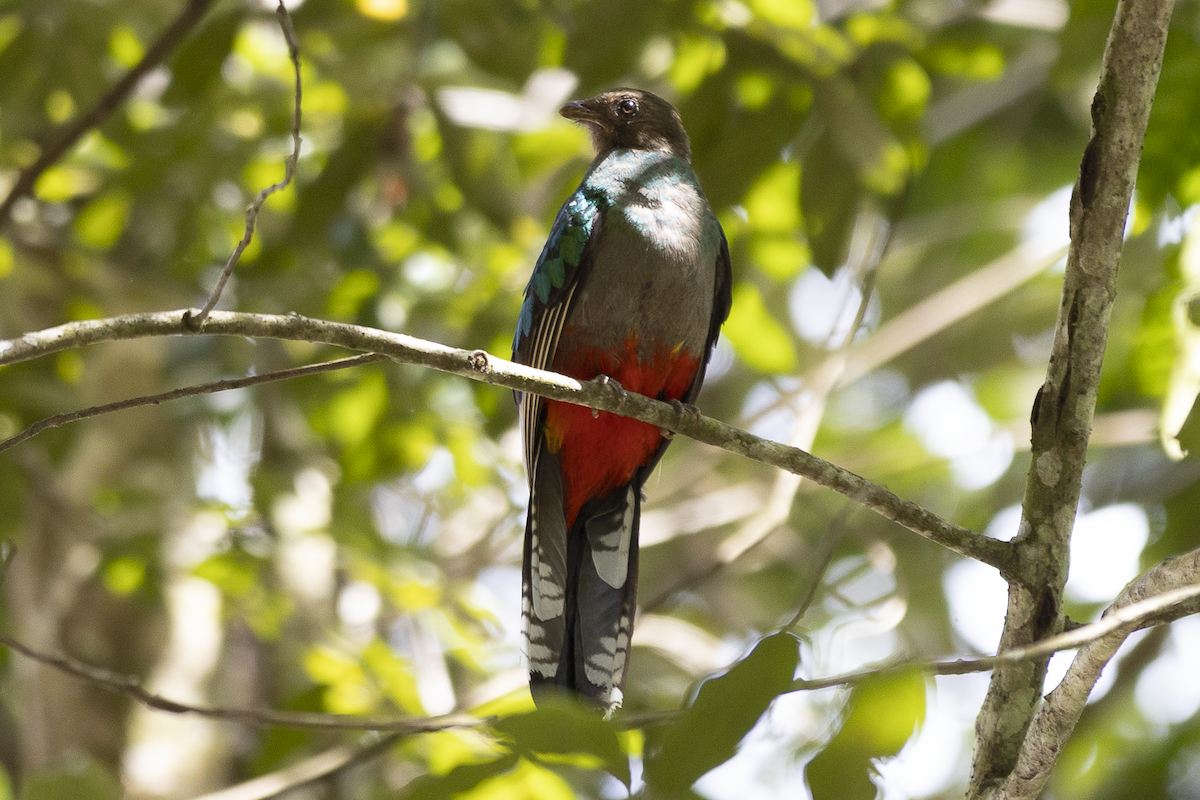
(580, 589)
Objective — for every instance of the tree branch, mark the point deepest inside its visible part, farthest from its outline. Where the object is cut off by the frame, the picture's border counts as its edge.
(189, 391)
(289, 170)
(1065, 404)
(1165, 604)
(1177, 577)
(319, 767)
(132, 687)
(481, 366)
(192, 13)
(949, 305)
(1166, 593)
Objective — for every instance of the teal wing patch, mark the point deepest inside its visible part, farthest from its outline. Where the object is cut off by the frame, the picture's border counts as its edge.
(562, 255)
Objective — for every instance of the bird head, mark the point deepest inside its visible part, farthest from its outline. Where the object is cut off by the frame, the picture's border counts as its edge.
(633, 119)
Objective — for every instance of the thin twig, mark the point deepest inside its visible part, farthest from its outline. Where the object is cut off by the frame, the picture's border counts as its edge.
(1146, 613)
(192, 13)
(133, 688)
(1152, 611)
(320, 767)
(289, 170)
(188, 391)
(829, 543)
(487, 368)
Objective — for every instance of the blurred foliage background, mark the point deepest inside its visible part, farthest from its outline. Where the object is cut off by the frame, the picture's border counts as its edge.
(350, 542)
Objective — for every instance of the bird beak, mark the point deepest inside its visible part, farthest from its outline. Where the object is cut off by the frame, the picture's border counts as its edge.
(580, 112)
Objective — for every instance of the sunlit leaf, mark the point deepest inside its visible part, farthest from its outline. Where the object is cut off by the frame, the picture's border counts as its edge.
(1189, 433)
(906, 90)
(1178, 413)
(882, 714)
(463, 443)
(62, 182)
(1154, 347)
(347, 690)
(796, 14)
(396, 240)
(754, 89)
(354, 289)
(385, 10)
(781, 257)
(416, 586)
(262, 45)
(355, 412)
(6, 258)
(102, 221)
(60, 106)
(414, 443)
(10, 26)
(867, 28)
(97, 150)
(125, 575)
(459, 779)
(125, 47)
(567, 728)
(695, 58)
(394, 674)
(979, 61)
(327, 665)
(83, 779)
(268, 172)
(69, 367)
(325, 97)
(235, 572)
(527, 781)
(725, 709)
(759, 339)
(773, 202)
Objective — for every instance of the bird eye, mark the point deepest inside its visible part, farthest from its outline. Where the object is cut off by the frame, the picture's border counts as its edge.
(628, 106)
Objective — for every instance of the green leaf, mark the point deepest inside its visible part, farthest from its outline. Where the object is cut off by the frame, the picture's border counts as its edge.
(353, 290)
(235, 572)
(855, 129)
(354, 413)
(1189, 434)
(797, 14)
(829, 201)
(125, 575)
(460, 779)
(7, 259)
(707, 734)
(759, 339)
(563, 728)
(82, 778)
(61, 182)
(882, 714)
(101, 222)
(772, 204)
(198, 63)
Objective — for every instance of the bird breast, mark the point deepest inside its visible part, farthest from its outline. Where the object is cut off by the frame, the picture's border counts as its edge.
(654, 261)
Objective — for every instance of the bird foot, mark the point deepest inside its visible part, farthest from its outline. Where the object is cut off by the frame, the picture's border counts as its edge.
(681, 409)
(614, 388)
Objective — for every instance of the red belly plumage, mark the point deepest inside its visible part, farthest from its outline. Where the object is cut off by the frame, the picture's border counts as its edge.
(600, 452)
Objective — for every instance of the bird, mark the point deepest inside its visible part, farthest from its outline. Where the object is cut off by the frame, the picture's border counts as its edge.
(632, 287)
